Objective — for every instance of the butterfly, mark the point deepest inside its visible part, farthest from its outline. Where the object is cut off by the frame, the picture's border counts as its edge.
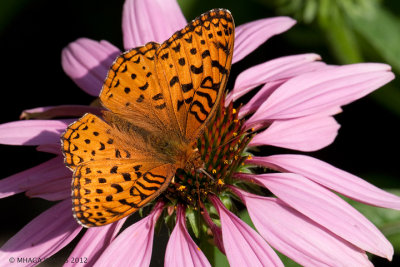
(158, 98)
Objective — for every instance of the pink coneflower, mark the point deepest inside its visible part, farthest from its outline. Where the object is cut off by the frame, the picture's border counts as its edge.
(292, 205)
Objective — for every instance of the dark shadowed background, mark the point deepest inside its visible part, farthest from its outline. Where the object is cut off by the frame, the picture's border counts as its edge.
(33, 33)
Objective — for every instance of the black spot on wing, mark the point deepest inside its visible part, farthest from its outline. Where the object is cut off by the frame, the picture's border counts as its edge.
(144, 87)
(177, 48)
(201, 108)
(165, 56)
(196, 70)
(158, 96)
(216, 64)
(187, 87)
(173, 81)
(117, 187)
(210, 102)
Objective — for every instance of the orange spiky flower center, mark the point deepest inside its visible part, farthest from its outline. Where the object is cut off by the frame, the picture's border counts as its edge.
(222, 149)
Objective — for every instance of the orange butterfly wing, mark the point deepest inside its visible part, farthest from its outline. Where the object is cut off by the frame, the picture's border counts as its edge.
(159, 99)
(111, 178)
(104, 191)
(175, 85)
(88, 139)
(132, 90)
(193, 66)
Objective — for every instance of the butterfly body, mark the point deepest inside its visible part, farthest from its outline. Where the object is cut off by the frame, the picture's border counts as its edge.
(158, 100)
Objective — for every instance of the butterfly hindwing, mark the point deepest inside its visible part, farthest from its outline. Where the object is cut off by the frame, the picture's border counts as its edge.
(194, 65)
(105, 191)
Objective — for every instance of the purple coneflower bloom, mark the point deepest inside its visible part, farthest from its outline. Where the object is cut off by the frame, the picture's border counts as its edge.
(301, 217)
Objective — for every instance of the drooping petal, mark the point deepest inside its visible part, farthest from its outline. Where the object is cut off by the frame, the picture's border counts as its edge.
(243, 246)
(309, 133)
(146, 21)
(273, 70)
(216, 231)
(43, 236)
(33, 132)
(251, 35)
(93, 243)
(298, 237)
(58, 111)
(87, 63)
(38, 176)
(50, 148)
(322, 90)
(182, 251)
(53, 190)
(134, 245)
(327, 175)
(327, 209)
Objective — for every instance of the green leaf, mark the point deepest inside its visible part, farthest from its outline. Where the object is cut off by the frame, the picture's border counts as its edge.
(364, 29)
(220, 259)
(381, 29)
(244, 215)
(389, 98)
(186, 5)
(9, 9)
(339, 35)
(227, 201)
(287, 262)
(169, 221)
(194, 221)
(310, 11)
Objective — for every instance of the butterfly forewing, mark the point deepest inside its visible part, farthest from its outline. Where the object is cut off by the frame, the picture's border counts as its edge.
(132, 90)
(193, 66)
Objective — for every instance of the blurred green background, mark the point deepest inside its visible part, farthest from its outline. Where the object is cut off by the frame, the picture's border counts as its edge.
(33, 33)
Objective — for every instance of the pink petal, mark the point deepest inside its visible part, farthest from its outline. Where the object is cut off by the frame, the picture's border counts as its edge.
(38, 176)
(273, 70)
(87, 63)
(322, 90)
(262, 95)
(298, 237)
(146, 21)
(43, 236)
(53, 190)
(243, 245)
(50, 148)
(58, 111)
(327, 209)
(33, 132)
(181, 249)
(259, 98)
(305, 134)
(93, 243)
(251, 35)
(134, 245)
(331, 177)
